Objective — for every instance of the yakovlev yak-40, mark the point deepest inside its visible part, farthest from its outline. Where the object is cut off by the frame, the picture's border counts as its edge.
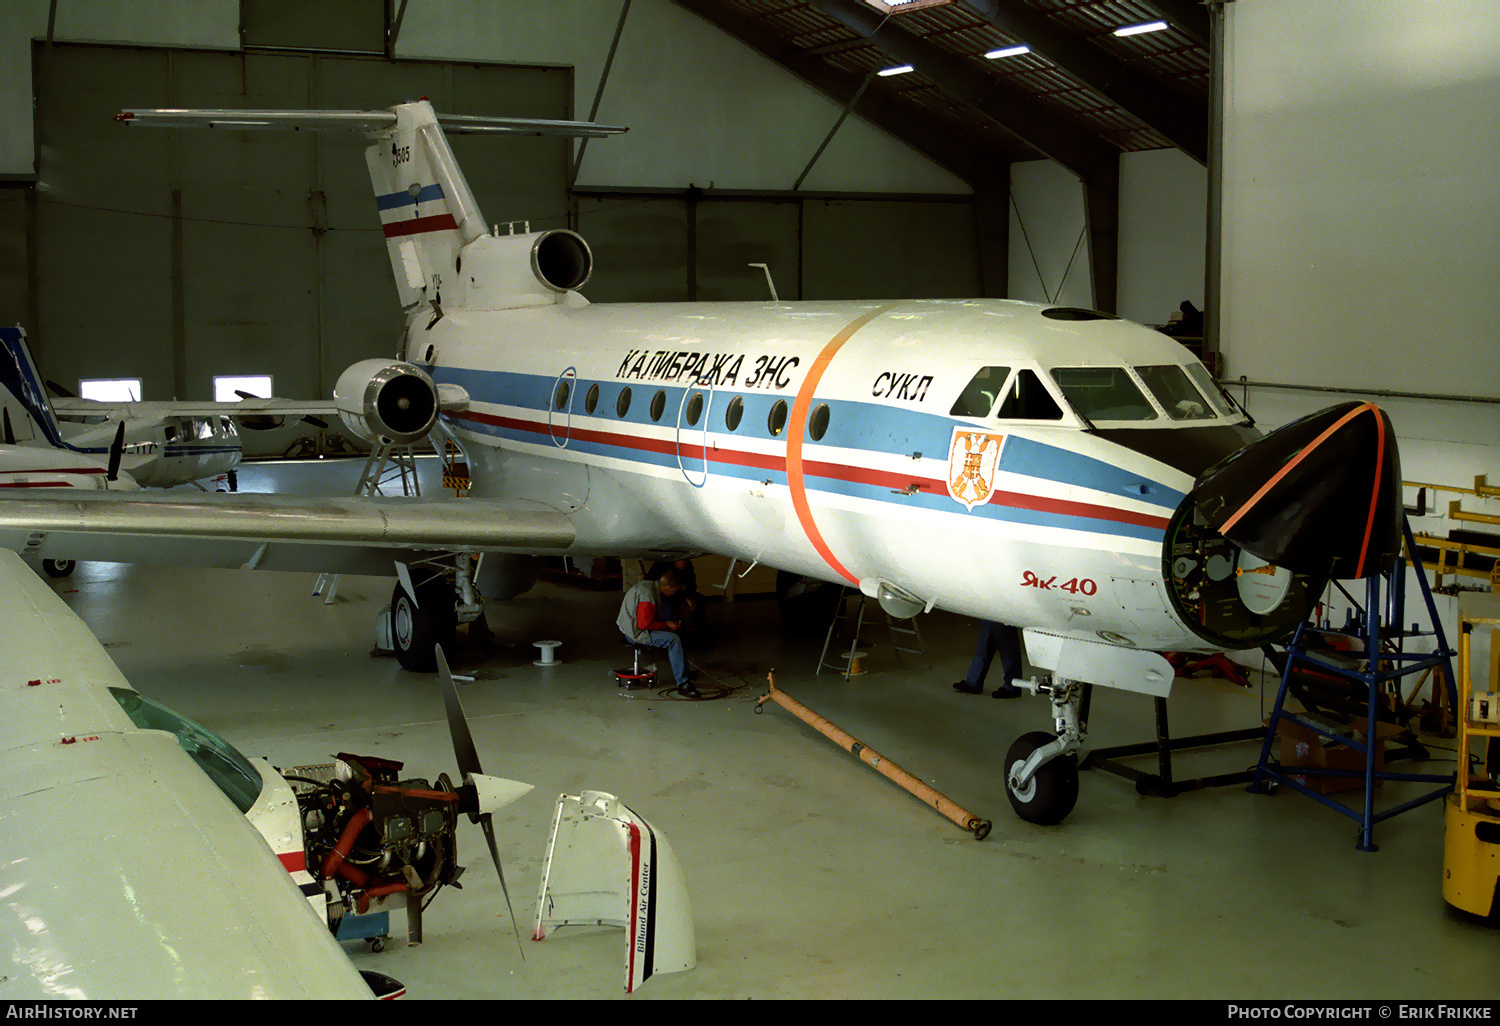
(1054, 468)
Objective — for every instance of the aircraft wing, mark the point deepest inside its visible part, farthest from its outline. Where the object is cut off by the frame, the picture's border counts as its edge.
(127, 873)
(344, 534)
(184, 408)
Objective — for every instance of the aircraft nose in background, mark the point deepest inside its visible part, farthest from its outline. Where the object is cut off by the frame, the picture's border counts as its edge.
(1320, 495)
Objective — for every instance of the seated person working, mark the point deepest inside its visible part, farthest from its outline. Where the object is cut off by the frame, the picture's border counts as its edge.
(640, 621)
(686, 605)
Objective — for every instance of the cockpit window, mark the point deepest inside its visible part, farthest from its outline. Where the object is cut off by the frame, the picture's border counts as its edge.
(1028, 399)
(1206, 385)
(1175, 393)
(1103, 393)
(225, 766)
(979, 395)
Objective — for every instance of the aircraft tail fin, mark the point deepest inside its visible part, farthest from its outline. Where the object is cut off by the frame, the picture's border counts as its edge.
(427, 210)
(18, 375)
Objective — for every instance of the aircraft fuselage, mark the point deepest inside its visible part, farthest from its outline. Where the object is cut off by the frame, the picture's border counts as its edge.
(821, 438)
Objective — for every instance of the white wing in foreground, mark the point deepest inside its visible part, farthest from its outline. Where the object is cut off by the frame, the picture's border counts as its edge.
(127, 873)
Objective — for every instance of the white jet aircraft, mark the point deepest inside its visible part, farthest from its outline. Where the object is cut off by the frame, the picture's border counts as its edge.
(1039, 466)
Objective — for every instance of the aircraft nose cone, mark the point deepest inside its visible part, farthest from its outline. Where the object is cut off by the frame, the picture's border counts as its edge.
(1320, 495)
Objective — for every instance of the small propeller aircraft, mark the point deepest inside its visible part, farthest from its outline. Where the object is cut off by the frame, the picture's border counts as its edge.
(164, 443)
(1037, 465)
(204, 875)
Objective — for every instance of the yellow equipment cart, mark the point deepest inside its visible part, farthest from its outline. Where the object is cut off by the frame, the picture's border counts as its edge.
(1471, 847)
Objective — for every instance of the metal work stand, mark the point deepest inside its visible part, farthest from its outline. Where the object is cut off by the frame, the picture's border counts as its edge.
(849, 660)
(1383, 639)
(1161, 784)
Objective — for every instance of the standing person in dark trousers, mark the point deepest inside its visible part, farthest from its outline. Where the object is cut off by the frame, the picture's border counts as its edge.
(994, 637)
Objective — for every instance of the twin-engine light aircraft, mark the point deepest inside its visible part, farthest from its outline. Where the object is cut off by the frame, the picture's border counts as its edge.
(162, 444)
(1028, 464)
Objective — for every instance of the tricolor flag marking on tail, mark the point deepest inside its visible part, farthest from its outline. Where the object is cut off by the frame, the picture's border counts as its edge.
(402, 213)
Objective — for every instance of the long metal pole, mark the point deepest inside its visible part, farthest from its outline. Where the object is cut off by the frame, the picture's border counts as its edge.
(897, 775)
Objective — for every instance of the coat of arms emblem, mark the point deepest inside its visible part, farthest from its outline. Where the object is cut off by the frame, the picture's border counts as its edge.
(972, 459)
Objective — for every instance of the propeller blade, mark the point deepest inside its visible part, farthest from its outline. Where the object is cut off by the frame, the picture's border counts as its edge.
(486, 824)
(116, 450)
(10, 435)
(468, 765)
(458, 726)
(245, 395)
(59, 391)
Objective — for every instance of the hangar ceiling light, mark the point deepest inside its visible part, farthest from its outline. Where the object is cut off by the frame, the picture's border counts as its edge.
(899, 69)
(1136, 30)
(1009, 51)
(902, 6)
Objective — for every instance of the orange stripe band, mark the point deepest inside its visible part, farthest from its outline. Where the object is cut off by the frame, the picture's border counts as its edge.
(1284, 471)
(798, 426)
(1375, 494)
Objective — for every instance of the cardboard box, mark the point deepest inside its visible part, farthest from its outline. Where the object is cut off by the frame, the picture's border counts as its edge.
(1304, 747)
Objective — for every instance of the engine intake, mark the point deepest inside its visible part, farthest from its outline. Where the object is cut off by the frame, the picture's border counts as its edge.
(387, 402)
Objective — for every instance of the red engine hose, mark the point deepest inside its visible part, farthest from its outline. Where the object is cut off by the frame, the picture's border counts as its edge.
(333, 862)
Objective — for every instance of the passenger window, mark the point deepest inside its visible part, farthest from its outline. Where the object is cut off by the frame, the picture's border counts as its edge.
(817, 424)
(1175, 392)
(622, 404)
(1028, 399)
(562, 394)
(591, 400)
(1103, 393)
(734, 413)
(658, 404)
(694, 409)
(776, 422)
(978, 397)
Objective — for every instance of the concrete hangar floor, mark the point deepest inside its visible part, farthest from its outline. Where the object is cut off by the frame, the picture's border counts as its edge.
(810, 875)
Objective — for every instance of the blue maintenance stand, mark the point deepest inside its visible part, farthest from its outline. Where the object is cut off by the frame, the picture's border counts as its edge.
(1379, 626)
(373, 928)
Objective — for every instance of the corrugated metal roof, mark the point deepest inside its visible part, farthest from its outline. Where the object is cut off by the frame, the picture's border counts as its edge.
(963, 33)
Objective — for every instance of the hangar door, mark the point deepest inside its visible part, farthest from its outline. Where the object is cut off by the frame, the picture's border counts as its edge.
(176, 255)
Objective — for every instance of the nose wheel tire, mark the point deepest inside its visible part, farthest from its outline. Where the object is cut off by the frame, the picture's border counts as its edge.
(1052, 791)
(57, 567)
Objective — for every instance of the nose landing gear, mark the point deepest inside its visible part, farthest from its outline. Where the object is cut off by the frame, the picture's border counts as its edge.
(1041, 769)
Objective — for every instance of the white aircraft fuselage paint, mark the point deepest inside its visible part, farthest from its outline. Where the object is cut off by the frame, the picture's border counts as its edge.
(1068, 538)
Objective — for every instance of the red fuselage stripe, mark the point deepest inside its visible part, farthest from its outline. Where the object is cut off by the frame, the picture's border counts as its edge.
(832, 471)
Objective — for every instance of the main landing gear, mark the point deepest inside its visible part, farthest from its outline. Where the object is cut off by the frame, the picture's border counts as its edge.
(429, 601)
(1041, 769)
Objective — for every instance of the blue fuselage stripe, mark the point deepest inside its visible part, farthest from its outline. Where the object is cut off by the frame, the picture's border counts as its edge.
(852, 425)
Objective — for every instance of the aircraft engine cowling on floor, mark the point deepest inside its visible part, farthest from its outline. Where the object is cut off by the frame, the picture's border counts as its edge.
(387, 401)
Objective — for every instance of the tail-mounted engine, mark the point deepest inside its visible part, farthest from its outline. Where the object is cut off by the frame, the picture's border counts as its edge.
(392, 403)
(503, 272)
